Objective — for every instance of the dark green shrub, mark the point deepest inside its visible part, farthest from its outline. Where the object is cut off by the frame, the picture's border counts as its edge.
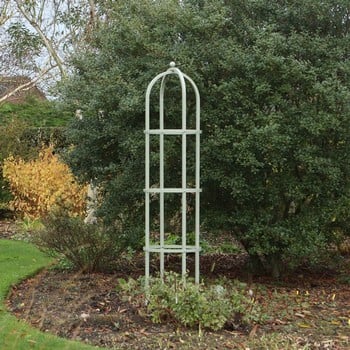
(275, 89)
(89, 247)
(37, 137)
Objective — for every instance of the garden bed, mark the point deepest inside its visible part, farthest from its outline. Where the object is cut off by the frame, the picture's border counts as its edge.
(301, 310)
(306, 310)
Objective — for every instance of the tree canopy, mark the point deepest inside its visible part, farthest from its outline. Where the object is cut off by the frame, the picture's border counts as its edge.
(37, 38)
(274, 78)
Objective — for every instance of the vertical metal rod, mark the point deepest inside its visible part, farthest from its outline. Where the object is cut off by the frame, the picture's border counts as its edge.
(197, 180)
(197, 206)
(184, 172)
(161, 175)
(147, 178)
(147, 196)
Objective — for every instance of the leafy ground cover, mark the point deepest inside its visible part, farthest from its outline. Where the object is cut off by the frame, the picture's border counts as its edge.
(302, 311)
(17, 261)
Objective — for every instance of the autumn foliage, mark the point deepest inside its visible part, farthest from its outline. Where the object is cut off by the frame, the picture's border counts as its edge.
(41, 185)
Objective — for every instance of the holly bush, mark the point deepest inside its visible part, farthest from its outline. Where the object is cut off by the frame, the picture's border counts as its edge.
(274, 79)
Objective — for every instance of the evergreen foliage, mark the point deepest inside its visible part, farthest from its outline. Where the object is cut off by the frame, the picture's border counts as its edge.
(274, 79)
(34, 112)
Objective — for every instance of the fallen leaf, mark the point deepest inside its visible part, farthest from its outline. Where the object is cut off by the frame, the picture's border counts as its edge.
(307, 312)
(84, 316)
(304, 325)
(278, 321)
(143, 331)
(229, 346)
(253, 331)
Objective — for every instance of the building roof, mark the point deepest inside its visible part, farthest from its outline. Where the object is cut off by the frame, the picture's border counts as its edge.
(8, 84)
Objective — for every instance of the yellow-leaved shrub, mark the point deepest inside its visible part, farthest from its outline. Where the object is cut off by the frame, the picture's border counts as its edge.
(40, 185)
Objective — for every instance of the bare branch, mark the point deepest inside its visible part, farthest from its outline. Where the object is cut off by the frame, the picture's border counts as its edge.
(4, 12)
(27, 85)
(48, 44)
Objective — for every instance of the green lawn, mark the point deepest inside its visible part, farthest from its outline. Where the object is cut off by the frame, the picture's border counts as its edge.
(17, 261)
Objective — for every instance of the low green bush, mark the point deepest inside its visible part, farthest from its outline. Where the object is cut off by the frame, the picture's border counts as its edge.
(90, 248)
(192, 305)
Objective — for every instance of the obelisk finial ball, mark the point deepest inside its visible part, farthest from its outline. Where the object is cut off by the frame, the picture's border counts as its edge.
(172, 64)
